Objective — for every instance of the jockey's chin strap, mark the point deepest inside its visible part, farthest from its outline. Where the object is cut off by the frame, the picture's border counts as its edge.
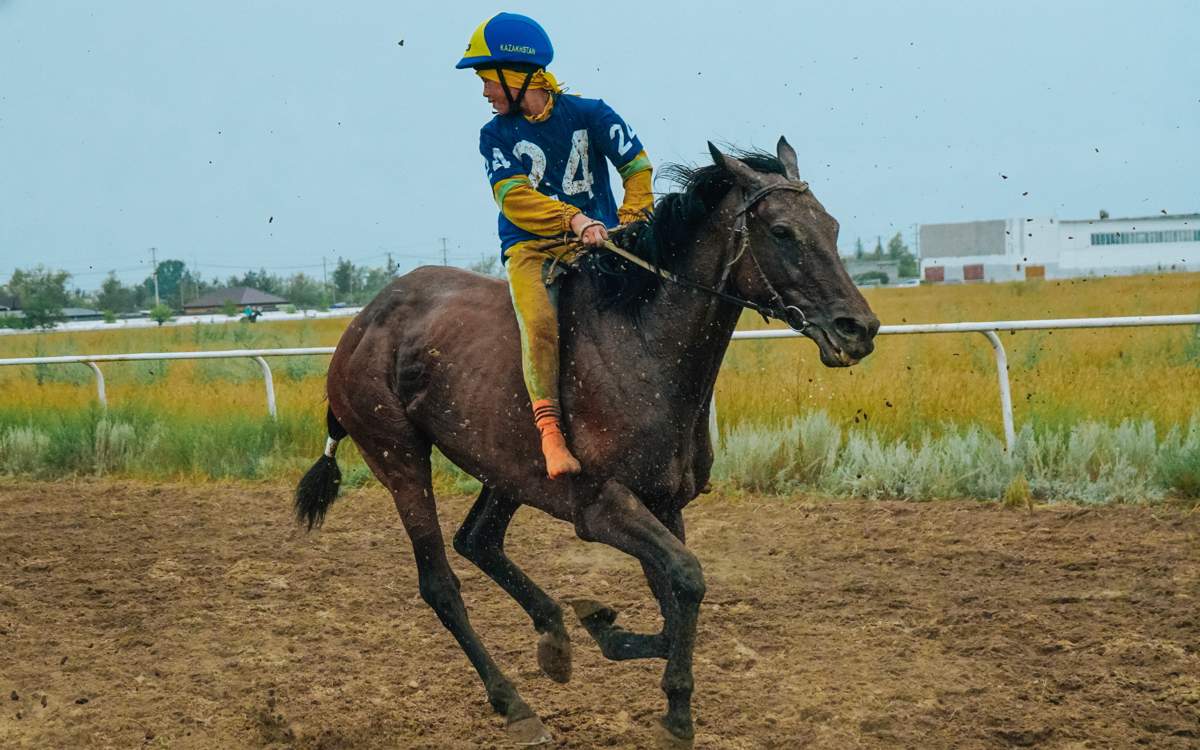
(514, 103)
(778, 310)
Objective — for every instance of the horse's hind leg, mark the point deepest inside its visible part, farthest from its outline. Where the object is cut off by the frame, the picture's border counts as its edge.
(481, 540)
(404, 469)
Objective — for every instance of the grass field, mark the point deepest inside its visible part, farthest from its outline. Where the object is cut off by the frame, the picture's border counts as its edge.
(207, 419)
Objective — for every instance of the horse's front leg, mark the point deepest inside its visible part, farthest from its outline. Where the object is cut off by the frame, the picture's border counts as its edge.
(618, 518)
(616, 642)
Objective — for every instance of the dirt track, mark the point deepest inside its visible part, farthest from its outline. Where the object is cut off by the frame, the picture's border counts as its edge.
(141, 615)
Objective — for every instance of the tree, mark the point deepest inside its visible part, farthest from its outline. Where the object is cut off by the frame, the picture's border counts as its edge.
(260, 280)
(896, 249)
(347, 278)
(909, 267)
(858, 248)
(878, 254)
(488, 265)
(42, 294)
(303, 291)
(373, 284)
(114, 297)
(170, 273)
(191, 286)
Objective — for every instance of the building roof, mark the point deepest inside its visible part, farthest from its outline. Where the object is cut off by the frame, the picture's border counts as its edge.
(238, 295)
(1157, 217)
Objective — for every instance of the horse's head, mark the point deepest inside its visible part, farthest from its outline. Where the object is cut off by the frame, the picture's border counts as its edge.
(785, 257)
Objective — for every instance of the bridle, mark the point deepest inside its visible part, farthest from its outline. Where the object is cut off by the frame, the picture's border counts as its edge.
(778, 310)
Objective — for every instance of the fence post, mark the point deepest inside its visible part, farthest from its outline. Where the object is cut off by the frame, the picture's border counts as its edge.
(270, 382)
(99, 385)
(1010, 437)
(714, 435)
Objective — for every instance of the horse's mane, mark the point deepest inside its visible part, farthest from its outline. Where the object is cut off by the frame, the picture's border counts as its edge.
(664, 238)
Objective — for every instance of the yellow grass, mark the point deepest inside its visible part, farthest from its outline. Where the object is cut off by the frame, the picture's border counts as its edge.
(913, 382)
(910, 384)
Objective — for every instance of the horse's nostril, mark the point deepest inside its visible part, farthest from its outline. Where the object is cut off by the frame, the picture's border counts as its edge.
(851, 329)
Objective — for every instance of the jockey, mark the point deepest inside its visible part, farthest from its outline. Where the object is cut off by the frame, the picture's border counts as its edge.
(544, 154)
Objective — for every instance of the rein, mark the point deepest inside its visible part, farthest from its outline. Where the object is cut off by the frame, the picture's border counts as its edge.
(780, 311)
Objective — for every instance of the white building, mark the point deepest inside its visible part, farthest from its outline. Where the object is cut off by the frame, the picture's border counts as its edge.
(1012, 249)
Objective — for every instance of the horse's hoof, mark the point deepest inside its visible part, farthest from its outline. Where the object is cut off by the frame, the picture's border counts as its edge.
(527, 732)
(554, 656)
(668, 740)
(591, 612)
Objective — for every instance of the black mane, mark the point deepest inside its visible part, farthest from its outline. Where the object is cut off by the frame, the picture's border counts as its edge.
(663, 238)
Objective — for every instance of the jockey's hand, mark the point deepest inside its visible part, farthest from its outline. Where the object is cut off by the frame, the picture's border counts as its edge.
(590, 232)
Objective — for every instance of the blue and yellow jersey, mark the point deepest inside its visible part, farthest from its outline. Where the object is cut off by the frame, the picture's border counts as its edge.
(564, 157)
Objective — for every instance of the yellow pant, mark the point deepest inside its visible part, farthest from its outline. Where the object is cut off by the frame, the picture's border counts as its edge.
(537, 317)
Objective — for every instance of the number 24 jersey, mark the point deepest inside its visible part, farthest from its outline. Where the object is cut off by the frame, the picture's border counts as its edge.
(563, 157)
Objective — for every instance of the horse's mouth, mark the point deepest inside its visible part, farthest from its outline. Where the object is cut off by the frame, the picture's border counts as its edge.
(832, 354)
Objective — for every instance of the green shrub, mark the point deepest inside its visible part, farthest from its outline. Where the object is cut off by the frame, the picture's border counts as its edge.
(23, 450)
(115, 446)
(160, 313)
(1178, 466)
(757, 459)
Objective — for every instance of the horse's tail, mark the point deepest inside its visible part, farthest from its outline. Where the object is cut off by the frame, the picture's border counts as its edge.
(319, 487)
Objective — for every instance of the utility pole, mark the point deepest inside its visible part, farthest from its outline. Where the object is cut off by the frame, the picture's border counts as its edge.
(154, 262)
(324, 277)
(444, 263)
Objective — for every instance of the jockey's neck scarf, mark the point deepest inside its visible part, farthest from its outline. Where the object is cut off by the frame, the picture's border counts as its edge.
(542, 79)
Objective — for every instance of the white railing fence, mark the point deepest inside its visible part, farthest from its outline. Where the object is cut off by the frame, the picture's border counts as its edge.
(258, 355)
(988, 329)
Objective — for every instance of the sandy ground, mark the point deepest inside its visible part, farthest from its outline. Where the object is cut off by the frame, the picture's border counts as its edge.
(140, 615)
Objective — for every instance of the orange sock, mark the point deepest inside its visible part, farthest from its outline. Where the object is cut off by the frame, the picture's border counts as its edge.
(559, 460)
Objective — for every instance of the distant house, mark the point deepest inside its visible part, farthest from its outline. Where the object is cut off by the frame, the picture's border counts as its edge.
(1050, 248)
(240, 296)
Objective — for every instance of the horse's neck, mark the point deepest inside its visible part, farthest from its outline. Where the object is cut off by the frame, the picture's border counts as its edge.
(681, 334)
(688, 322)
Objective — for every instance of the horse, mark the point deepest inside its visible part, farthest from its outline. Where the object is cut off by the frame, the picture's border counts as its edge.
(434, 360)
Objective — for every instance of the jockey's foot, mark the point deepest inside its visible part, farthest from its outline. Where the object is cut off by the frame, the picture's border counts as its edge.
(559, 459)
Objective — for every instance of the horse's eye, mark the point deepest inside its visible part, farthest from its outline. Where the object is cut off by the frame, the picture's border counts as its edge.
(780, 232)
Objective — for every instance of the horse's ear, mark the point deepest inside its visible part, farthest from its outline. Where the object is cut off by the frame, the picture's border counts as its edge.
(787, 156)
(717, 156)
(742, 174)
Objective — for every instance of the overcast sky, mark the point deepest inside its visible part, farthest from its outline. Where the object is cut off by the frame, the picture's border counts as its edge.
(233, 134)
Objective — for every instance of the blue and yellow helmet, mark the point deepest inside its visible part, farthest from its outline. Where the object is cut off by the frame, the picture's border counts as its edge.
(509, 39)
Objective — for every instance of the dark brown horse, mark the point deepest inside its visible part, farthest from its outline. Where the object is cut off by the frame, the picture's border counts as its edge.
(434, 360)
